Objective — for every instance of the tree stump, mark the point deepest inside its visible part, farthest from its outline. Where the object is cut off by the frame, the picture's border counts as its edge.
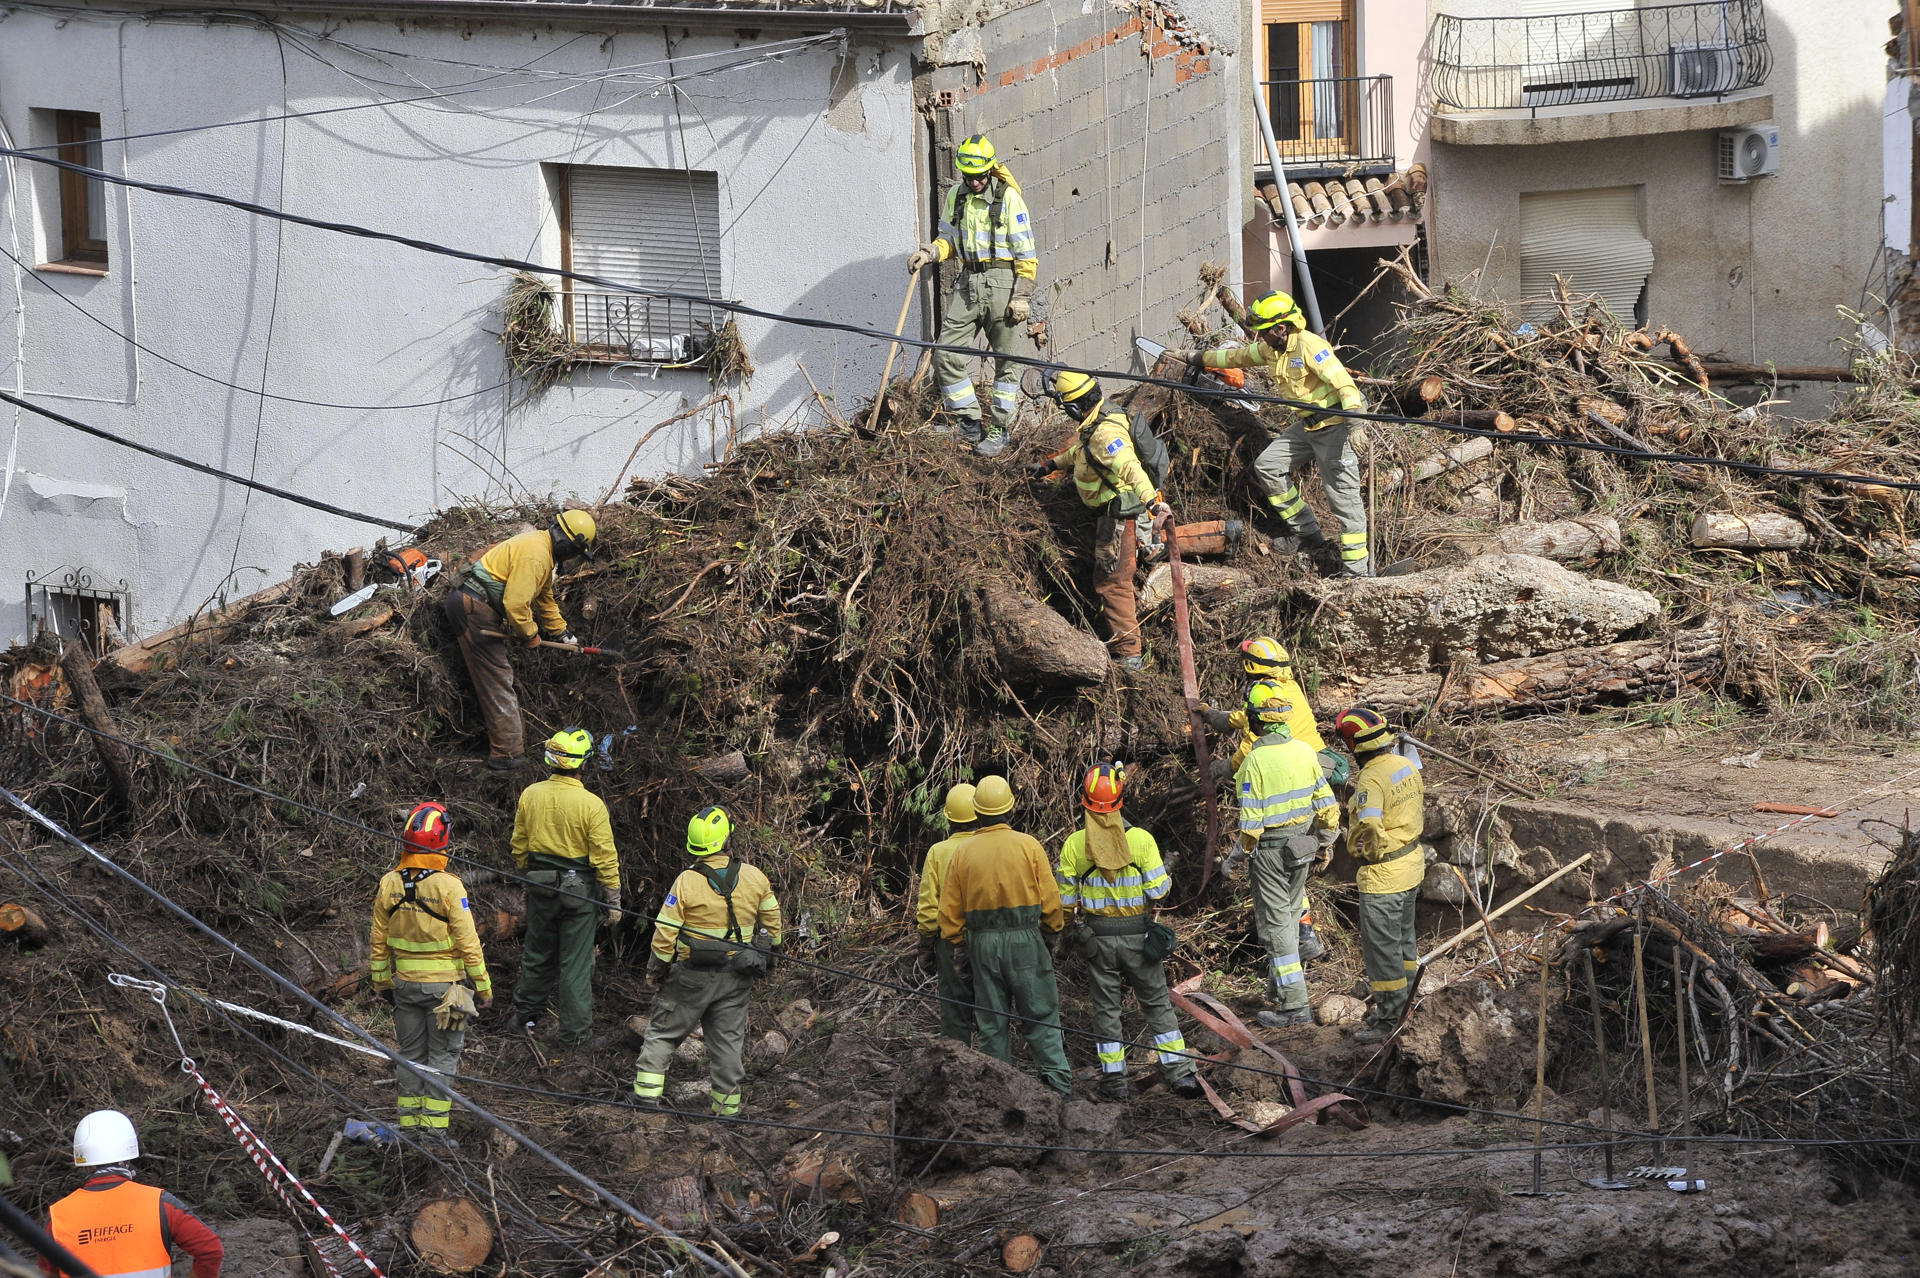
(19, 924)
(922, 1211)
(451, 1235)
(1022, 1253)
(1034, 645)
(1763, 530)
(77, 664)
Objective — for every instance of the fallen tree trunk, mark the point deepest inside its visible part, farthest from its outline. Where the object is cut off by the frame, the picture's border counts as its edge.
(1563, 539)
(1556, 681)
(1762, 530)
(77, 665)
(723, 769)
(211, 627)
(1465, 453)
(1035, 645)
(1206, 583)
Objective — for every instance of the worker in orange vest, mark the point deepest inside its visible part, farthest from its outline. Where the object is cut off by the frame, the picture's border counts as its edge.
(119, 1227)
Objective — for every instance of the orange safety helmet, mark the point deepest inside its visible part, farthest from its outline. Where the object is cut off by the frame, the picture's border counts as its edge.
(1101, 790)
(427, 829)
(1363, 730)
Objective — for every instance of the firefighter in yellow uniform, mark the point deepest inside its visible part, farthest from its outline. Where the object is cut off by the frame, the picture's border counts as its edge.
(1303, 367)
(1265, 658)
(1287, 816)
(985, 224)
(1386, 817)
(956, 994)
(1109, 870)
(510, 590)
(1112, 478)
(424, 946)
(711, 940)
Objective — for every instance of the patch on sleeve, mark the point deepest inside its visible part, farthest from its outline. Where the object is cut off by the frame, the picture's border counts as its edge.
(1114, 446)
(463, 903)
(1320, 357)
(1020, 217)
(1297, 362)
(671, 900)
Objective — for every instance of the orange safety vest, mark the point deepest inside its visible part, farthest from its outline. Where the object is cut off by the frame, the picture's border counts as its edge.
(117, 1231)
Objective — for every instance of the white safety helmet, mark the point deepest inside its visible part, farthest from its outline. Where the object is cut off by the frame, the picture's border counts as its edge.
(103, 1137)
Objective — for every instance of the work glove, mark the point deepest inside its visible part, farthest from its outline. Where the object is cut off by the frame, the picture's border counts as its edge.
(385, 993)
(1325, 857)
(1055, 942)
(484, 1002)
(1019, 310)
(533, 640)
(922, 257)
(569, 637)
(656, 970)
(1353, 401)
(612, 896)
(1221, 771)
(1186, 356)
(1358, 435)
(925, 956)
(1217, 720)
(962, 965)
(1230, 863)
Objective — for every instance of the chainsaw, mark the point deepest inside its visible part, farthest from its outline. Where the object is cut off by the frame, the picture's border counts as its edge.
(1151, 351)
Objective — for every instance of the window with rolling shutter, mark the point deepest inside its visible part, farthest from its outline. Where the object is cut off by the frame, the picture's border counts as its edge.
(1594, 238)
(656, 229)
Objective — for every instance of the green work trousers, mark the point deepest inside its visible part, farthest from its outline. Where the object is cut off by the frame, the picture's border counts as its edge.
(1012, 969)
(1390, 951)
(979, 306)
(557, 960)
(716, 1001)
(956, 995)
(1279, 868)
(1114, 966)
(419, 1040)
(1277, 467)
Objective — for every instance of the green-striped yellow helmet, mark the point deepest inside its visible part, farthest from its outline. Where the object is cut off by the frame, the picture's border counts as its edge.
(975, 157)
(1267, 704)
(708, 832)
(1275, 308)
(568, 748)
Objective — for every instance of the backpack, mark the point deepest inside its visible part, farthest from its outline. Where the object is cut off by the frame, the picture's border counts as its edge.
(734, 952)
(1153, 455)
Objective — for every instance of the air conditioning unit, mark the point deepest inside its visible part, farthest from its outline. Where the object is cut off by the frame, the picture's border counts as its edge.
(1749, 153)
(1700, 70)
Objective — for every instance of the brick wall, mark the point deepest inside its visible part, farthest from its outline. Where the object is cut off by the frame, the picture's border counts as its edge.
(1094, 112)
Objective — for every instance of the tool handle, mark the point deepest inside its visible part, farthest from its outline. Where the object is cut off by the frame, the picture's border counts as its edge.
(580, 648)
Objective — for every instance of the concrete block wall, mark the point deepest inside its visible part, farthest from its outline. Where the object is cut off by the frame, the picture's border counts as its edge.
(1122, 132)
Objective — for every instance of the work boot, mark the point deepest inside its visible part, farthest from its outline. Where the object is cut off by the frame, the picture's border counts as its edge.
(1284, 1020)
(1357, 567)
(436, 1141)
(1372, 1032)
(1186, 1087)
(992, 444)
(1113, 1087)
(1311, 946)
(970, 430)
(1133, 663)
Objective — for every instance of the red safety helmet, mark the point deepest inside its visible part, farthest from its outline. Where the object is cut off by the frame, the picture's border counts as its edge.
(427, 829)
(1101, 790)
(1363, 730)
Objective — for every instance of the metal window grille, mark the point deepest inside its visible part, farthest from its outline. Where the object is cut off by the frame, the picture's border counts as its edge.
(71, 604)
(659, 230)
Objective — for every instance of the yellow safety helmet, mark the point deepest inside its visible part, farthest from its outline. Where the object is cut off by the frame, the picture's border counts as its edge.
(1077, 394)
(1265, 657)
(1267, 704)
(568, 748)
(960, 805)
(708, 831)
(1275, 308)
(975, 156)
(573, 533)
(992, 797)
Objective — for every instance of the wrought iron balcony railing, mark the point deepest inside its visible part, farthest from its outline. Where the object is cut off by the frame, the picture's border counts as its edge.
(1611, 55)
(1339, 124)
(646, 330)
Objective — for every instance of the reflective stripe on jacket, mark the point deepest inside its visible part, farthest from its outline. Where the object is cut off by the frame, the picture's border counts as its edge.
(933, 876)
(1280, 784)
(993, 227)
(119, 1231)
(427, 937)
(999, 870)
(517, 577)
(1300, 723)
(1104, 464)
(560, 819)
(1387, 817)
(694, 908)
(1107, 893)
(1303, 367)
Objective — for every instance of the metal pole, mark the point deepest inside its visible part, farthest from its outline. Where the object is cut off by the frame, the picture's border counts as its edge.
(1302, 277)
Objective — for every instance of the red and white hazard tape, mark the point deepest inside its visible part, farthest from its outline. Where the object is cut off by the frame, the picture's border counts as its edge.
(1741, 846)
(277, 1175)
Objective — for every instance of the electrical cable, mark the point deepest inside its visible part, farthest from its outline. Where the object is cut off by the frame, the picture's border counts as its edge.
(310, 502)
(875, 335)
(490, 1119)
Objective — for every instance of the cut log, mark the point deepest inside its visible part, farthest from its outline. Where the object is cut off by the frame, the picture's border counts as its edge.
(723, 769)
(77, 665)
(451, 1235)
(1210, 537)
(22, 926)
(1022, 1253)
(819, 1176)
(1564, 540)
(1206, 583)
(1558, 681)
(354, 627)
(1431, 387)
(356, 561)
(155, 652)
(1034, 645)
(678, 1204)
(1762, 530)
(922, 1211)
(1465, 453)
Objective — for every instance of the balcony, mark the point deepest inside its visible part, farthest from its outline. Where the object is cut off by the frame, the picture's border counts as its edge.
(1678, 67)
(1342, 125)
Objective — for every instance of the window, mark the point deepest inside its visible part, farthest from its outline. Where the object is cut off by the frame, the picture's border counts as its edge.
(72, 606)
(83, 200)
(1595, 239)
(654, 229)
(1311, 63)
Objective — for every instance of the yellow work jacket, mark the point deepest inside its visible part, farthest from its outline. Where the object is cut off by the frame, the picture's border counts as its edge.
(989, 229)
(933, 876)
(1281, 787)
(1387, 815)
(560, 820)
(694, 907)
(999, 879)
(1300, 724)
(1303, 368)
(1104, 464)
(427, 935)
(517, 576)
(1107, 893)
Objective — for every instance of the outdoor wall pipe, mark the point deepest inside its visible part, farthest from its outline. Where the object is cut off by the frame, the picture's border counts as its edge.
(1302, 277)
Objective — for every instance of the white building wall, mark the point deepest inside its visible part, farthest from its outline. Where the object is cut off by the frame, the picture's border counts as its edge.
(818, 204)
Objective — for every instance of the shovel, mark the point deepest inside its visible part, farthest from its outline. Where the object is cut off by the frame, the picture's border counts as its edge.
(581, 648)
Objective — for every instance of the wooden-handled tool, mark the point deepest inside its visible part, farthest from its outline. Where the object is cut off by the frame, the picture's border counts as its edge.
(580, 648)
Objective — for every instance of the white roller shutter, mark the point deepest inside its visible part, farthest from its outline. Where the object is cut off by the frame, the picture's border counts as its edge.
(1591, 237)
(653, 228)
